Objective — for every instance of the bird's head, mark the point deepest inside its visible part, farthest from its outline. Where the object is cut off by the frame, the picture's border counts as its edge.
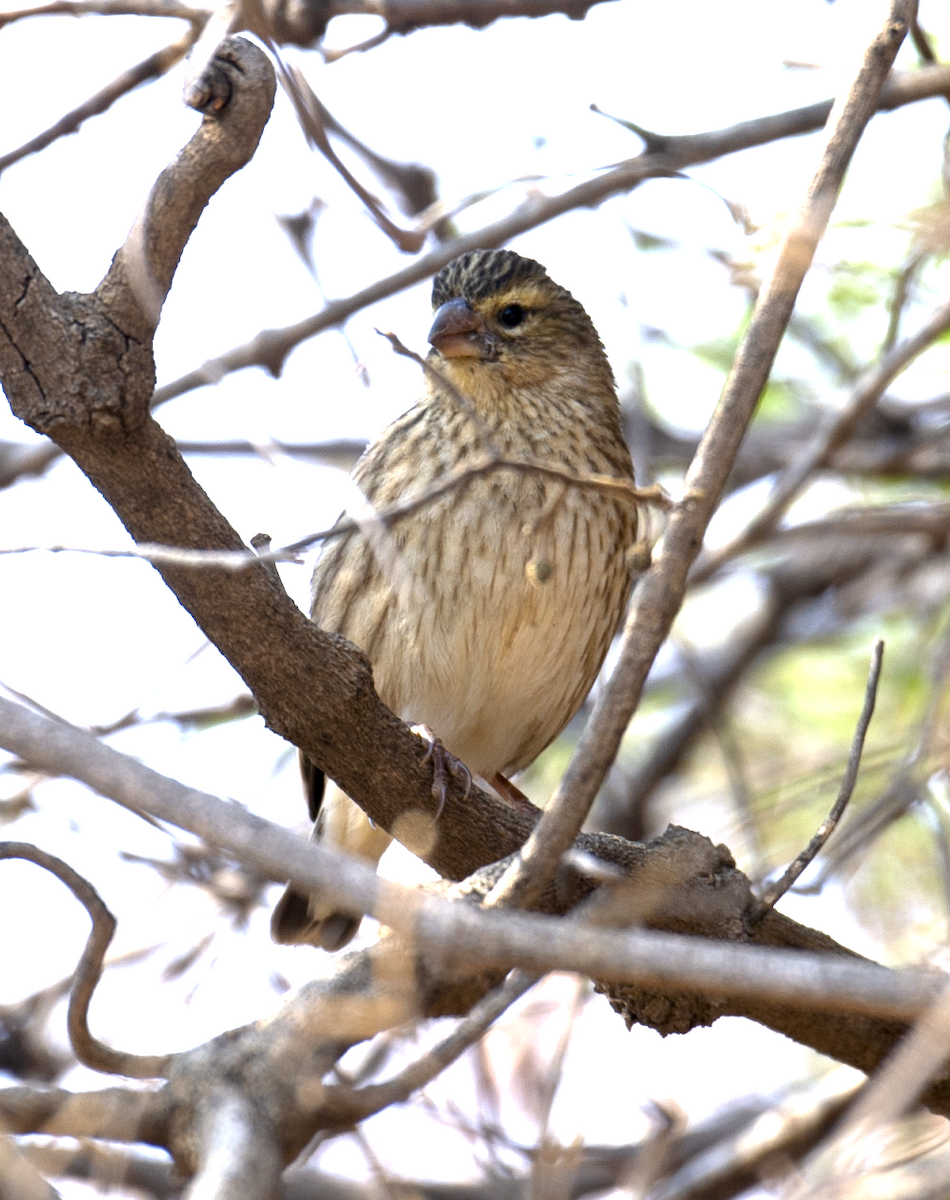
(498, 310)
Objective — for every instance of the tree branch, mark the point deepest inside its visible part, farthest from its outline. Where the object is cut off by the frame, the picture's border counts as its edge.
(270, 348)
(89, 1050)
(680, 883)
(113, 1114)
(659, 592)
(834, 431)
(153, 67)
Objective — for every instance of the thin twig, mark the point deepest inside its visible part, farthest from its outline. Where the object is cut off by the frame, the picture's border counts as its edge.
(358, 1103)
(775, 891)
(309, 112)
(899, 298)
(906, 781)
(270, 348)
(332, 56)
(660, 590)
(88, 1049)
(153, 67)
(834, 432)
(239, 560)
(416, 184)
(108, 8)
(922, 44)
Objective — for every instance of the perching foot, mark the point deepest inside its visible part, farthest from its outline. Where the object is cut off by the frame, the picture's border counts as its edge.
(443, 765)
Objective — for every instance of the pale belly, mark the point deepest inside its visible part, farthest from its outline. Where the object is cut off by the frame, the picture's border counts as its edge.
(496, 637)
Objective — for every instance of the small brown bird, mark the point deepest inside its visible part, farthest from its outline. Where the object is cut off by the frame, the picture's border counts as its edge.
(486, 611)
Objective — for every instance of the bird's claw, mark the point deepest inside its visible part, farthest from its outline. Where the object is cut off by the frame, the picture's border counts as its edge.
(443, 765)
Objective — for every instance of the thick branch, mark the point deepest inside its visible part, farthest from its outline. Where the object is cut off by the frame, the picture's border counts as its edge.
(679, 883)
(113, 1114)
(235, 93)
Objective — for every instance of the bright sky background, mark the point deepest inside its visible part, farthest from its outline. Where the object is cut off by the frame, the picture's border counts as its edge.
(92, 638)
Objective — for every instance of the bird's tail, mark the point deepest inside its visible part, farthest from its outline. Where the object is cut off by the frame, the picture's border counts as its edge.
(302, 920)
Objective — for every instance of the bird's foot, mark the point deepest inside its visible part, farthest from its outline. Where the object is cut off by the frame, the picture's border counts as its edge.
(508, 791)
(443, 765)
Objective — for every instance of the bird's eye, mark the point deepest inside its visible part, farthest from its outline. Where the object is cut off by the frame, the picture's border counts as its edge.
(511, 316)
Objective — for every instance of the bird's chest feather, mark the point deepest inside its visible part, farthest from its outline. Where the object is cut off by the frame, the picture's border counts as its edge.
(521, 588)
(485, 609)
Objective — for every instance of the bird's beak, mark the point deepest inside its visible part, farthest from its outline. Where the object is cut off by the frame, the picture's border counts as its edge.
(459, 332)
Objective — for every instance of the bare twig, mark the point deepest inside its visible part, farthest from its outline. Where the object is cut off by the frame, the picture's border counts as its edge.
(922, 43)
(834, 432)
(371, 43)
(775, 891)
(89, 1050)
(340, 452)
(239, 560)
(108, 8)
(487, 442)
(355, 1104)
(898, 301)
(238, 709)
(18, 459)
(660, 590)
(907, 780)
(270, 348)
(310, 112)
(153, 67)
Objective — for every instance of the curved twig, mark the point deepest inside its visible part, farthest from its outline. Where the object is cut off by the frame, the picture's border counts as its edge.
(88, 1049)
(234, 118)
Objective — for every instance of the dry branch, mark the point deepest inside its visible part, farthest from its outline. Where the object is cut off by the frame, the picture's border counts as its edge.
(153, 67)
(663, 157)
(681, 882)
(660, 591)
(88, 1049)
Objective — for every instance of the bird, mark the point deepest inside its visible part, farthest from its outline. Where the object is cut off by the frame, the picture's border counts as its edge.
(487, 608)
